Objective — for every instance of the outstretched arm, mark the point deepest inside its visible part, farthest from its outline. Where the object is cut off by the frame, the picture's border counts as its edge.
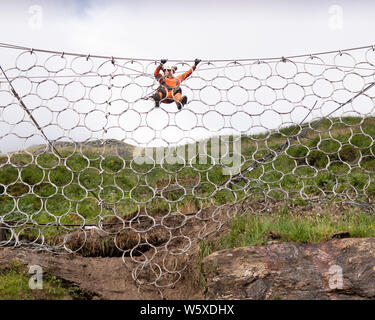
(186, 74)
(183, 76)
(157, 74)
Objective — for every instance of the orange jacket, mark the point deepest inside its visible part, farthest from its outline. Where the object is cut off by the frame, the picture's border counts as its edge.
(171, 81)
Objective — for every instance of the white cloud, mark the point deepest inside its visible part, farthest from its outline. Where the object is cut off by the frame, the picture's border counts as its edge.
(207, 29)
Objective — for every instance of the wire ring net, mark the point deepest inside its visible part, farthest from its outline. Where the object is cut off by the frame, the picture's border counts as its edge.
(289, 131)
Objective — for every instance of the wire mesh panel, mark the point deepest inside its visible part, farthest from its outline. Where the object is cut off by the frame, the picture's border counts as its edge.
(86, 156)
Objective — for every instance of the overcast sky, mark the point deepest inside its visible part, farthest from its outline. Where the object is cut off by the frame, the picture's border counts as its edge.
(189, 29)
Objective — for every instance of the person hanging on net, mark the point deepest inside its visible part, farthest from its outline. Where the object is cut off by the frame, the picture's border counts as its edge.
(169, 89)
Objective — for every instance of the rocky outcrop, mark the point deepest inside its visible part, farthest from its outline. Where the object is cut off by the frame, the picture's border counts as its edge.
(106, 278)
(336, 269)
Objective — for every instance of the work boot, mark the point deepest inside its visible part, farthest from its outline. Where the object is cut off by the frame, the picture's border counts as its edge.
(184, 100)
(156, 98)
(181, 103)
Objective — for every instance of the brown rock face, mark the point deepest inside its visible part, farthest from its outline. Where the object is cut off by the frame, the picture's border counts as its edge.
(337, 269)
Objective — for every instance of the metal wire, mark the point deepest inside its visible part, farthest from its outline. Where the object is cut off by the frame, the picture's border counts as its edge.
(72, 125)
(17, 47)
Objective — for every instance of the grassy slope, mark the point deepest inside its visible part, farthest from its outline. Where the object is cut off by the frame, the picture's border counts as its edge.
(117, 167)
(83, 167)
(252, 229)
(14, 285)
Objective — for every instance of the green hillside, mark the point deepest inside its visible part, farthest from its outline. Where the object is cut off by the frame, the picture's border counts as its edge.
(107, 170)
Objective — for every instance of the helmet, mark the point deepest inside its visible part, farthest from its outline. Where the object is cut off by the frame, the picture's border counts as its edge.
(170, 68)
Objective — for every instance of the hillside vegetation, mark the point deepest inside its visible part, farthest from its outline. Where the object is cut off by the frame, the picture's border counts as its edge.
(336, 157)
